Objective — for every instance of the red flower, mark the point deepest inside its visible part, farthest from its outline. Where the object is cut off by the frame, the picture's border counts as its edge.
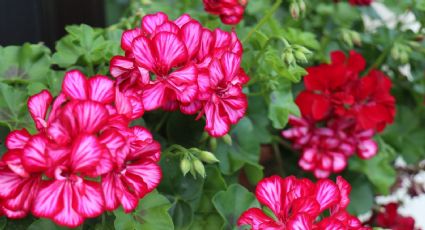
(167, 65)
(297, 203)
(390, 218)
(340, 114)
(360, 2)
(230, 11)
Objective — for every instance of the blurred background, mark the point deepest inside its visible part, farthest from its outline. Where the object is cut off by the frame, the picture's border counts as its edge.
(45, 20)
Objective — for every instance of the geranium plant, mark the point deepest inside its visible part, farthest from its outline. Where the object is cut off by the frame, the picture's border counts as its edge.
(216, 114)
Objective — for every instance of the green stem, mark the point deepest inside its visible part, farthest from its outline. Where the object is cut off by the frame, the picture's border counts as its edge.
(279, 160)
(263, 20)
(161, 122)
(380, 59)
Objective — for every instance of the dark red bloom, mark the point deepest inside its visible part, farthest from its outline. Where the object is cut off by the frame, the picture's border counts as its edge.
(230, 11)
(361, 2)
(390, 218)
(297, 204)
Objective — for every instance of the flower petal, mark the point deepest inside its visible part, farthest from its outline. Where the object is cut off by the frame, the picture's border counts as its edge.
(34, 157)
(184, 82)
(17, 139)
(151, 21)
(148, 171)
(327, 193)
(86, 153)
(299, 222)
(191, 35)
(256, 218)
(269, 192)
(90, 199)
(67, 214)
(75, 85)
(101, 89)
(90, 116)
(170, 51)
(109, 188)
(216, 125)
(231, 64)
(48, 201)
(153, 96)
(143, 53)
(127, 38)
(38, 105)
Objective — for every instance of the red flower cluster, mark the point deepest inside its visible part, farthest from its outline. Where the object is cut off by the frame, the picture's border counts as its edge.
(360, 2)
(298, 204)
(84, 158)
(230, 11)
(181, 65)
(340, 114)
(389, 218)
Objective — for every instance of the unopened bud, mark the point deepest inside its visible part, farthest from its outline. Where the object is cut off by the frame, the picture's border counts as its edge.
(207, 157)
(295, 10)
(300, 56)
(227, 139)
(288, 57)
(347, 38)
(199, 167)
(213, 144)
(355, 37)
(185, 166)
(302, 6)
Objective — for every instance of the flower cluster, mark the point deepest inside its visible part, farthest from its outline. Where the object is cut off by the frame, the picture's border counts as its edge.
(83, 159)
(181, 65)
(230, 11)
(388, 217)
(340, 114)
(298, 204)
(358, 2)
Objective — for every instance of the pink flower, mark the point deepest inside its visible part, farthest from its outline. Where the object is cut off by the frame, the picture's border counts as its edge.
(297, 204)
(166, 65)
(56, 172)
(326, 150)
(135, 172)
(221, 93)
(230, 11)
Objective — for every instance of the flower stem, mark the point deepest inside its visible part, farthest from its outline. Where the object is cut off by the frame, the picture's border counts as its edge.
(263, 20)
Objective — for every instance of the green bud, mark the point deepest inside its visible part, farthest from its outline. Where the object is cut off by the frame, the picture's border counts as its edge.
(404, 57)
(288, 57)
(347, 38)
(199, 167)
(395, 53)
(185, 166)
(295, 10)
(355, 37)
(302, 6)
(300, 56)
(304, 50)
(207, 157)
(227, 139)
(213, 144)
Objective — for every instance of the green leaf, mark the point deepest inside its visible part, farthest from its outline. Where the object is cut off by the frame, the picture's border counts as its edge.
(12, 107)
(361, 196)
(379, 170)
(3, 222)
(207, 222)
(152, 213)
(231, 203)
(45, 224)
(182, 214)
(281, 106)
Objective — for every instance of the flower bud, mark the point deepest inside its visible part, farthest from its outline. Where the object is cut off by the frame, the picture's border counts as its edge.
(288, 57)
(207, 157)
(199, 167)
(300, 56)
(295, 10)
(355, 37)
(213, 144)
(227, 139)
(185, 166)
